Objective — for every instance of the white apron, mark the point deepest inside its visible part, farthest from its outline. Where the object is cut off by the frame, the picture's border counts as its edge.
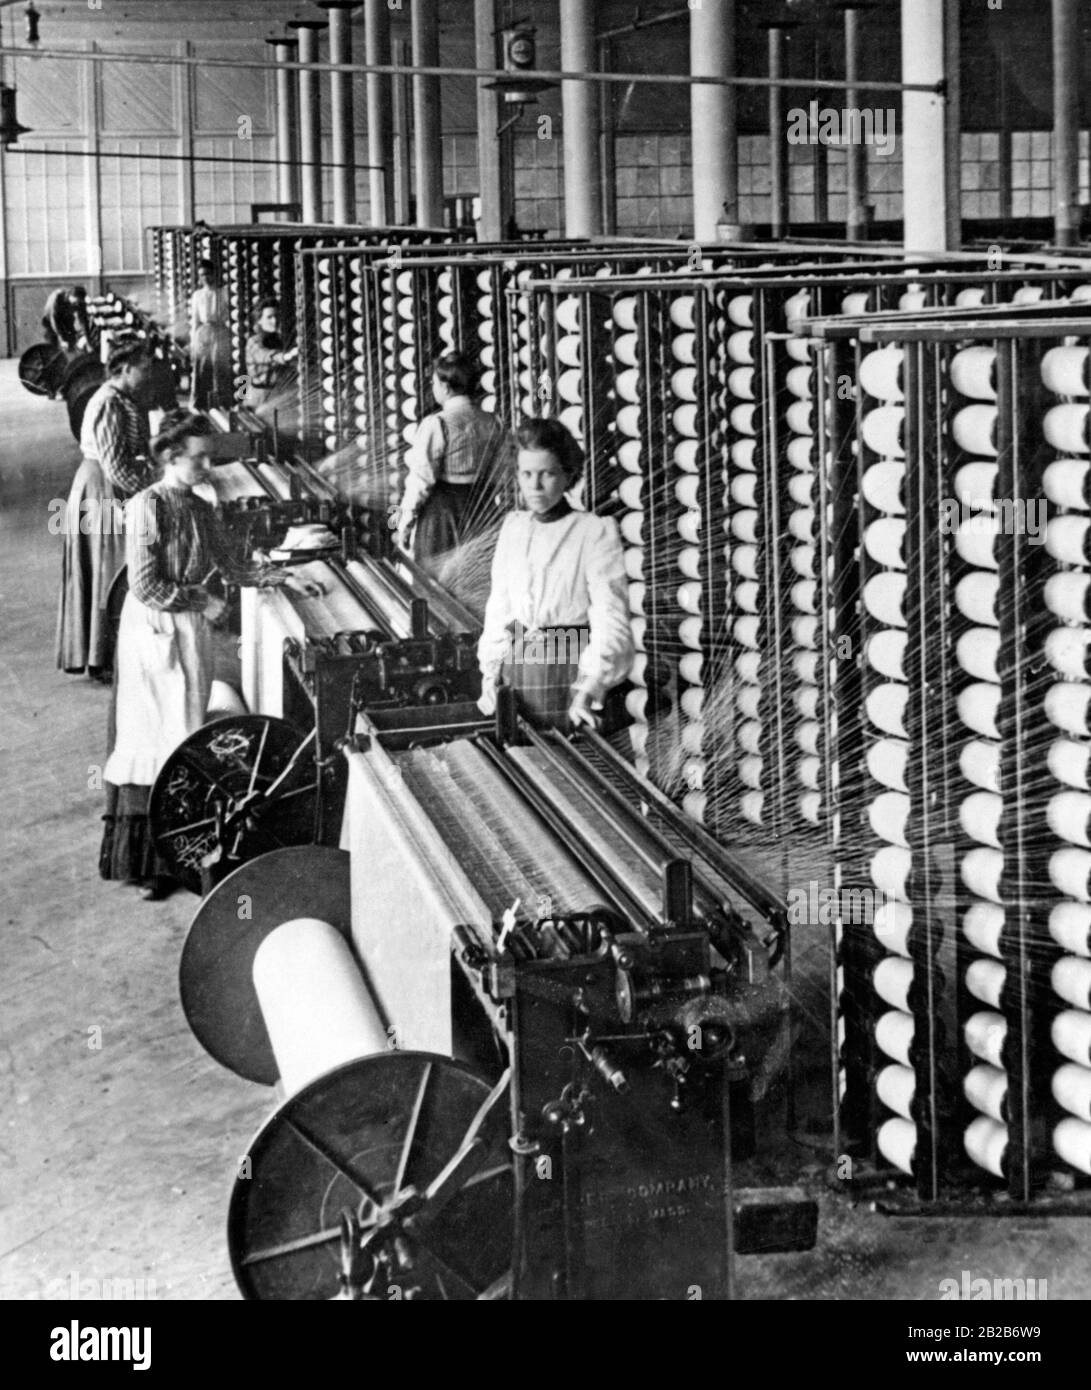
(164, 678)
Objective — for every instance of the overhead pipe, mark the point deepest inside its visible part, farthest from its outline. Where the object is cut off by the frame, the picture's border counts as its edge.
(428, 146)
(380, 129)
(713, 116)
(924, 122)
(287, 121)
(858, 217)
(310, 119)
(580, 123)
(490, 174)
(778, 135)
(341, 117)
(1066, 121)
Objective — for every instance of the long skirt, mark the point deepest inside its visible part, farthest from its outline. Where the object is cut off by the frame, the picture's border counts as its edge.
(543, 666)
(211, 360)
(439, 525)
(94, 550)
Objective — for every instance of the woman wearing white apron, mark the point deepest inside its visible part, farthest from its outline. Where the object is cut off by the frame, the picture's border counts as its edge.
(556, 625)
(174, 545)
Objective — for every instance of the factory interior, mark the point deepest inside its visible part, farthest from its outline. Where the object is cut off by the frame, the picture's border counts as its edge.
(582, 788)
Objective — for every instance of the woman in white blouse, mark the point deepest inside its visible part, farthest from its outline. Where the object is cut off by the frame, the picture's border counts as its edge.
(557, 623)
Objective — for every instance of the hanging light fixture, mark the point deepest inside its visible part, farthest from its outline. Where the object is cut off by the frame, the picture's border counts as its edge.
(33, 19)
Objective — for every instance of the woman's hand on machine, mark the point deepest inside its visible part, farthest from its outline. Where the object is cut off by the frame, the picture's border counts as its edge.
(215, 607)
(580, 713)
(308, 588)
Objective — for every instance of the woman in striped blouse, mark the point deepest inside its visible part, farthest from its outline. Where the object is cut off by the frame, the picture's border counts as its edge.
(175, 545)
(114, 443)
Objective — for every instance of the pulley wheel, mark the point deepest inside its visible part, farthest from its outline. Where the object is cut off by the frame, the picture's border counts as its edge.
(41, 369)
(369, 1139)
(216, 976)
(238, 787)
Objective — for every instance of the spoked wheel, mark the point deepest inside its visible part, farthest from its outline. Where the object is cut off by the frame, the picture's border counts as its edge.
(237, 788)
(387, 1178)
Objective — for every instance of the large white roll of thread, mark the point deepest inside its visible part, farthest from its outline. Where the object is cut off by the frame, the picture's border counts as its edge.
(1066, 707)
(887, 761)
(1065, 371)
(570, 387)
(625, 349)
(743, 419)
(624, 313)
(1068, 761)
(629, 456)
(799, 349)
(892, 925)
(689, 562)
(752, 807)
(1071, 979)
(693, 773)
(1072, 1141)
(1066, 650)
(802, 559)
(1065, 427)
(634, 563)
(985, 1033)
(744, 561)
(1064, 483)
(982, 925)
(636, 703)
(800, 488)
(690, 633)
(747, 596)
(637, 593)
(881, 374)
(1071, 1034)
(979, 815)
(974, 429)
(801, 453)
(979, 762)
(688, 491)
(632, 527)
(809, 772)
(980, 871)
(913, 300)
(748, 700)
(890, 868)
(894, 1035)
(692, 702)
(1071, 1087)
(1066, 595)
(1069, 871)
(572, 419)
(744, 526)
(978, 707)
(1070, 927)
(683, 349)
(972, 297)
(801, 417)
(688, 526)
(748, 736)
(750, 772)
(743, 454)
(317, 1009)
(889, 815)
(808, 737)
(884, 597)
(975, 485)
(893, 979)
(882, 487)
(628, 421)
(897, 1141)
(975, 597)
(883, 431)
(894, 1086)
(799, 380)
(805, 596)
(740, 310)
(986, 1143)
(986, 1088)
(748, 667)
(886, 706)
(693, 736)
(985, 980)
(804, 632)
(684, 383)
(689, 597)
(856, 303)
(1066, 538)
(885, 653)
(978, 652)
(630, 491)
(805, 665)
(687, 454)
(884, 541)
(740, 347)
(744, 489)
(683, 311)
(973, 373)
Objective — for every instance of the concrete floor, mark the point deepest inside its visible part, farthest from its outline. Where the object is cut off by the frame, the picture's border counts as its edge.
(116, 1161)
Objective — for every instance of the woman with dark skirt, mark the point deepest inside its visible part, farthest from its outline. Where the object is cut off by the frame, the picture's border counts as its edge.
(174, 546)
(556, 625)
(209, 342)
(114, 443)
(455, 448)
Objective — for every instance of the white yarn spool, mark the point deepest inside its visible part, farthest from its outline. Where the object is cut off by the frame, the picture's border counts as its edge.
(805, 632)
(882, 487)
(572, 419)
(567, 314)
(986, 1088)
(636, 703)
(884, 595)
(683, 311)
(801, 525)
(634, 563)
(980, 871)
(303, 971)
(1072, 1141)
(626, 384)
(570, 386)
(684, 383)
(807, 736)
(689, 562)
(750, 772)
(890, 868)
(630, 491)
(693, 773)
(1066, 650)
(743, 452)
(883, 431)
(747, 632)
(694, 805)
(884, 540)
(802, 560)
(971, 297)
(894, 1086)
(796, 307)
(688, 526)
(624, 313)
(742, 419)
(1066, 707)
(687, 455)
(894, 1035)
(625, 349)
(1069, 871)
(881, 373)
(800, 488)
(692, 702)
(799, 349)
(748, 700)
(689, 597)
(885, 653)
(985, 1033)
(632, 527)
(893, 979)
(800, 417)
(805, 665)
(740, 309)
(629, 456)
(799, 380)
(690, 667)
(693, 736)
(689, 633)
(1071, 979)
(1071, 1034)
(892, 925)
(980, 764)
(1066, 538)
(748, 736)
(1080, 295)
(1071, 1087)
(740, 347)
(688, 491)
(1065, 427)
(752, 806)
(1028, 294)
(744, 489)
(636, 599)
(748, 667)
(744, 561)
(628, 421)
(740, 382)
(975, 484)
(982, 924)
(897, 1142)
(978, 652)
(886, 706)
(810, 808)
(1064, 482)
(985, 981)
(747, 596)
(801, 453)
(809, 771)
(973, 373)
(639, 668)
(975, 598)
(912, 300)
(978, 706)
(974, 429)
(804, 596)
(1065, 371)
(888, 814)
(887, 760)
(568, 351)
(683, 349)
(1068, 762)
(855, 304)
(1066, 595)
(986, 1143)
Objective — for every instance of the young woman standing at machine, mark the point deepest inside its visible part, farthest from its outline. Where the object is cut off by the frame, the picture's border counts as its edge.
(209, 342)
(175, 546)
(556, 625)
(456, 447)
(114, 443)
